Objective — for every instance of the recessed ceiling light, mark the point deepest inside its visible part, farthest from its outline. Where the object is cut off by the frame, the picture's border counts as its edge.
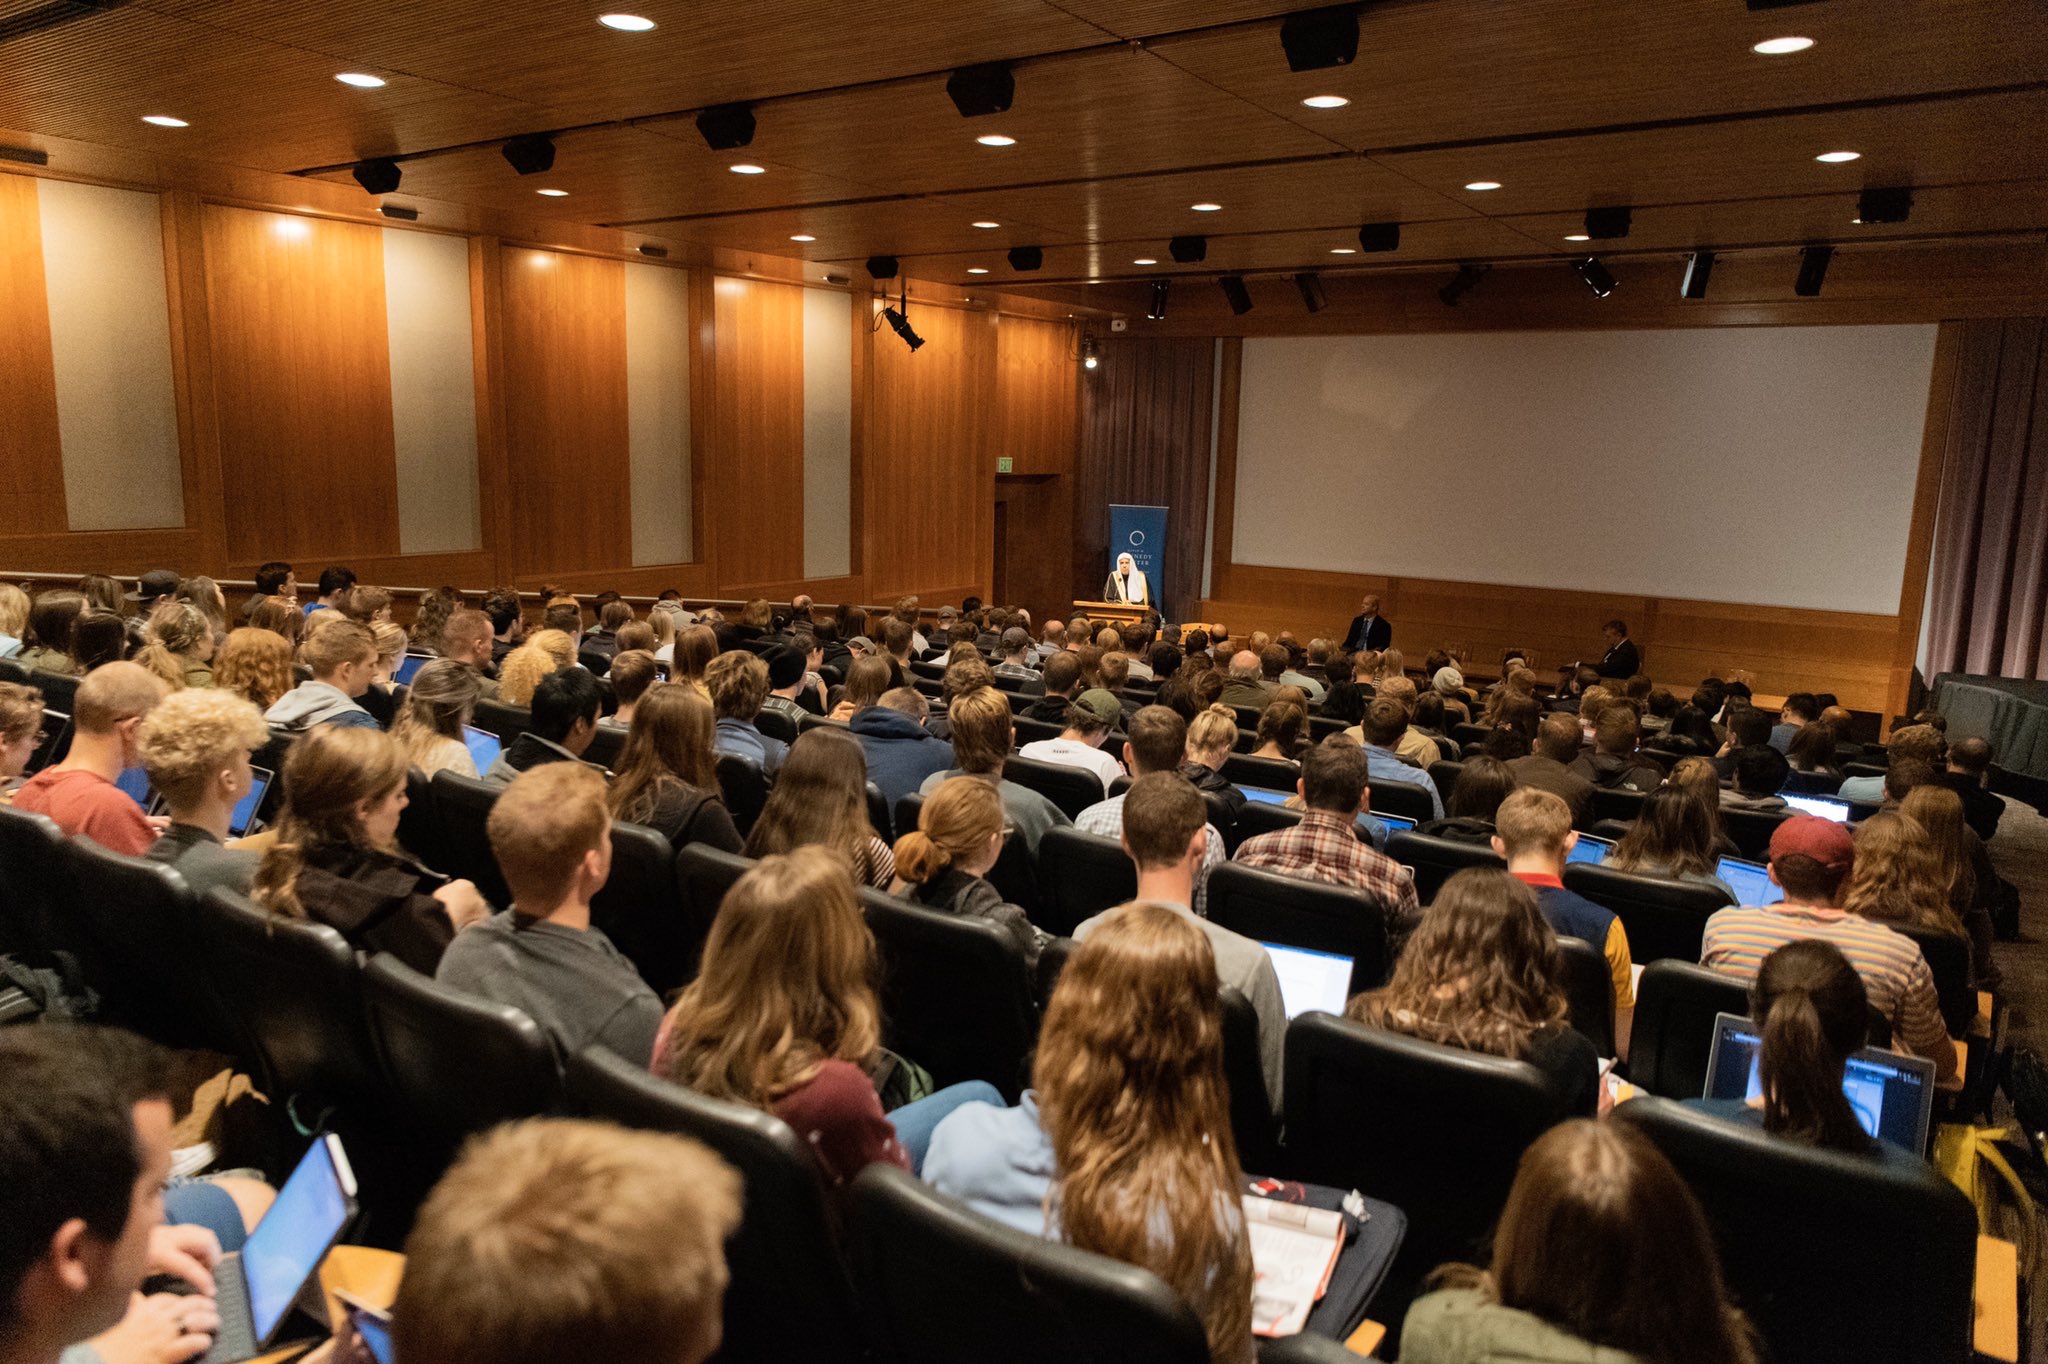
(1343, 250)
(747, 168)
(1837, 158)
(1326, 101)
(1577, 237)
(1206, 208)
(977, 269)
(1145, 260)
(996, 140)
(1778, 47)
(626, 23)
(360, 80)
(553, 193)
(165, 121)
(1477, 186)
(803, 237)
(984, 223)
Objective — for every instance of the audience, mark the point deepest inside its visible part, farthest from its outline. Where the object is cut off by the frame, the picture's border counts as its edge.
(821, 800)
(1386, 720)
(283, 619)
(21, 729)
(901, 753)
(1975, 891)
(180, 646)
(866, 680)
(1813, 750)
(342, 657)
(1212, 736)
(545, 653)
(1760, 772)
(790, 683)
(668, 780)
(437, 707)
(944, 862)
(79, 793)
(13, 620)
(1088, 722)
(255, 665)
(738, 683)
(99, 637)
(1613, 764)
(982, 738)
(1799, 711)
(1548, 767)
(333, 589)
(1909, 743)
(1411, 746)
(195, 746)
(1673, 835)
(1246, 685)
(1282, 726)
(1968, 774)
(50, 618)
(631, 675)
(1156, 742)
(564, 720)
(508, 624)
(1483, 783)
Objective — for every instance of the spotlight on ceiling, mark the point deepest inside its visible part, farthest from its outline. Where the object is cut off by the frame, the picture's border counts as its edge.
(1380, 237)
(1317, 38)
(1026, 257)
(1469, 274)
(1598, 277)
(1892, 204)
(1607, 224)
(882, 267)
(901, 326)
(1156, 310)
(1699, 267)
(1311, 286)
(726, 127)
(1188, 250)
(650, 249)
(1240, 297)
(1813, 270)
(532, 154)
(1091, 352)
(984, 89)
(400, 212)
(380, 176)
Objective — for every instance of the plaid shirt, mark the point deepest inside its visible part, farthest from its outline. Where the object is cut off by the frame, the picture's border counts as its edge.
(1325, 847)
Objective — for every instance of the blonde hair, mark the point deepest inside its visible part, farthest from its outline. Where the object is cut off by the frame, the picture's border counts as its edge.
(256, 665)
(13, 610)
(955, 823)
(186, 739)
(1898, 877)
(175, 631)
(545, 652)
(553, 1239)
(1939, 811)
(1214, 728)
(336, 642)
(437, 706)
(1131, 1092)
(332, 770)
(1530, 820)
(541, 827)
(981, 730)
(388, 640)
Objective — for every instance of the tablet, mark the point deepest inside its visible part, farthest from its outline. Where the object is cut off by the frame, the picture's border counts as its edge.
(407, 666)
(484, 747)
(1590, 849)
(1751, 882)
(243, 821)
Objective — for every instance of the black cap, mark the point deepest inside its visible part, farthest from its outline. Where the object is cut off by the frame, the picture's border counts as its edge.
(785, 667)
(158, 582)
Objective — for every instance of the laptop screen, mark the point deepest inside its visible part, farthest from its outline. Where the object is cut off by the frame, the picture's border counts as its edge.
(407, 666)
(287, 1246)
(375, 1333)
(483, 747)
(1827, 807)
(1265, 797)
(1892, 1095)
(1395, 823)
(1310, 980)
(1590, 849)
(1751, 882)
(134, 783)
(244, 817)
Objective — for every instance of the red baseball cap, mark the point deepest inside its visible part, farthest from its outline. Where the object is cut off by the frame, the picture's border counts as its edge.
(1823, 840)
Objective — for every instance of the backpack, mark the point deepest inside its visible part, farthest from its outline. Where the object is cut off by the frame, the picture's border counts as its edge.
(56, 990)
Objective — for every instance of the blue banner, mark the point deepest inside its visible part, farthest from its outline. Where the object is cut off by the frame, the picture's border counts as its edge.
(1141, 533)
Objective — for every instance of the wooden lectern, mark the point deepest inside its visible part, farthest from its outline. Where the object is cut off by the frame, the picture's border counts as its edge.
(1117, 613)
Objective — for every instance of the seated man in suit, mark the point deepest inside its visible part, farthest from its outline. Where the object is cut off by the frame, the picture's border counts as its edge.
(1622, 659)
(1127, 583)
(1369, 629)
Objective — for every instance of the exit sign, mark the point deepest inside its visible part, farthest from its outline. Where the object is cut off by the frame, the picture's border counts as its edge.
(1003, 464)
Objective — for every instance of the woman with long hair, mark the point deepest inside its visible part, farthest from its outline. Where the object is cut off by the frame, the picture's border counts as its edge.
(1483, 783)
(695, 648)
(1123, 1144)
(1813, 750)
(97, 638)
(102, 592)
(866, 680)
(432, 618)
(255, 664)
(1212, 734)
(204, 593)
(783, 1017)
(543, 653)
(50, 617)
(337, 858)
(1964, 870)
(944, 862)
(1392, 664)
(1281, 725)
(1699, 776)
(279, 617)
(1690, 734)
(1641, 1282)
(1898, 876)
(180, 646)
(1481, 973)
(1673, 837)
(820, 799)
(668, 776)
(429, 724)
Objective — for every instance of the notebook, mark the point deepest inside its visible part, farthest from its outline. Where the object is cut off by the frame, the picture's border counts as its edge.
(1310, 980)
(256, 1286)
(1751, 882)
(484, 747)
(1892, 1095)
(1827, 807)
(407, 666)
(1590, 849)
(1294, 1251)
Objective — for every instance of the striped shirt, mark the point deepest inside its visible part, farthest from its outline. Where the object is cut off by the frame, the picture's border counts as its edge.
(1894, 973)
(1325, 847)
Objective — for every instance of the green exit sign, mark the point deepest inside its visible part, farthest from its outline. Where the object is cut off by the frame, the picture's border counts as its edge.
(1004, 464)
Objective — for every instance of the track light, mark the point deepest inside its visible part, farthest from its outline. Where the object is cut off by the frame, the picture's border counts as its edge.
(1813, 270)
(1091, 352)
(882, 267)
(1239, 296)
(1156, 310)
(1311, 286)
(984, 89)
(901, 326)
(1607, 224)
(377, 177)
(1317, 38)
(650, 249)
(1893, 204)
(1026, 257)
(1469, 274)
(726, 127)
(1380, 237)
(1699, 267)
(532, 154)
(1188, 250)
(1598, 277)
(400, 212)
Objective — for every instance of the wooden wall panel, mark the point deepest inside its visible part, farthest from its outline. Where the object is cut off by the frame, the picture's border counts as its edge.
(755, 519)
(1037, 365)
(303, 386)
(32, 493)
(563, 355)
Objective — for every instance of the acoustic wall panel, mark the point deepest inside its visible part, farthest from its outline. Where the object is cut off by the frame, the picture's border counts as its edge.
(828, 434)
(433, 391)
(32, 493)
(110, 344)
(658, 412)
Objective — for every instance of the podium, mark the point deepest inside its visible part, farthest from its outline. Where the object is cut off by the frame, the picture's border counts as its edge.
(1118, 613)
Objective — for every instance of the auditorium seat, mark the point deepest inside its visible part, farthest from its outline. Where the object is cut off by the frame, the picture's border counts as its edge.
(789, 1297)
(1445, 774)
(1833, 1257)
(1079, 876)
(1673, 1028)
(1813, 783)
(745, 788)
(1860, 810)
(1293, 911)
(1588, 991)
(878, 815)
(1248, 717)
(1073, 789)
(810, 722)
(930, 672)
(956, 995)
(271, 758)
(703, 875)
(1031, 731)
(930, 688)
(60, 691)
(1613, 830)
(11, 671)
(1409, 802)
(939, 1283)
(1948, 960)
(1435, 860)
(641, 909)
(775, 725)
(1245, 742)
(1663, 917)
(1257, 817)
(1321, 727)
(605, 747)
(1873, 764)
(419, 823)
(1019, 686)
(508, 722)
(1470, 734)
(462, 812)
(1751, 830)
(29, 845)
(1252, 1120)
(1448, 747)
(1614, 803)
(1268, 774)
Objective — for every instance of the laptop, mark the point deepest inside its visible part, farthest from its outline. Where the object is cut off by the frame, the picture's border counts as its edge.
(134, 783)
(372, 1327)
(484, 747)
(1751, 881)
(257, 1286)
(243, 821)
(1310, 980)
(1395, 824)
(1827, 807)
(1265, 797)
(1892, 1095)
(1590, 849)
(407, 666)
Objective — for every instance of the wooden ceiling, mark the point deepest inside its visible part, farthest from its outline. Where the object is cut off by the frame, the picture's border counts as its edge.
(1127, 112)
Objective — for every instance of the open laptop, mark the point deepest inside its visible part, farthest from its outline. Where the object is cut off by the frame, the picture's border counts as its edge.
(484, 747)
(257, 1286)
(1827, 807)
(409, 664)
(242, 821)
(1265, 797)
(1590, 849)
(1751, 881)
(1310, 980)
(1395, 824)
(1892, 1095)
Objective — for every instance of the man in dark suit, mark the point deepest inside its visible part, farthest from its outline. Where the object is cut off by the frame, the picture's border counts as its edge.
(1622, 660)
(1369, 629)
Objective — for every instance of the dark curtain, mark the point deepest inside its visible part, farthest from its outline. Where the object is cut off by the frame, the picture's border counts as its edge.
(1988, 587)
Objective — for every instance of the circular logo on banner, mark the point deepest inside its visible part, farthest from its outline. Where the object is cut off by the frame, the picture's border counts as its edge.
(1137, 537)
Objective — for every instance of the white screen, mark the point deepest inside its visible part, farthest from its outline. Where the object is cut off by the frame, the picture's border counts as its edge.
(1310, 980)
(1770, 465)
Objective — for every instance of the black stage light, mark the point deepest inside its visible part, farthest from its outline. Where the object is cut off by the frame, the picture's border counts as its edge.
(1380, 237)
(1469, 274)
(1157, 308)
(377, 177)
(901, 326)
(650, 249)
(726, 127)
(1318, 38)
(1597, 276)
(400, 212)
(1607, 224)
(1891, 204)
(1239, 296)
(882, 267)
(984, 89)
(1311, 286)
(1699, 267)
(1026, 257)
(1188, 250)
(1813, 270)
(531, 155)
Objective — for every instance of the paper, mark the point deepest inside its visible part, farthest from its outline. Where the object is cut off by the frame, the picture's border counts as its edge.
(1294, 1250)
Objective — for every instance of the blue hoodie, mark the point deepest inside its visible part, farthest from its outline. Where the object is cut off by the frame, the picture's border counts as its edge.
(900, 753)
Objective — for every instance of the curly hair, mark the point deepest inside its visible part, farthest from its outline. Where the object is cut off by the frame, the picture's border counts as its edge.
(544, 653)
(187, 738)
(255, 664)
